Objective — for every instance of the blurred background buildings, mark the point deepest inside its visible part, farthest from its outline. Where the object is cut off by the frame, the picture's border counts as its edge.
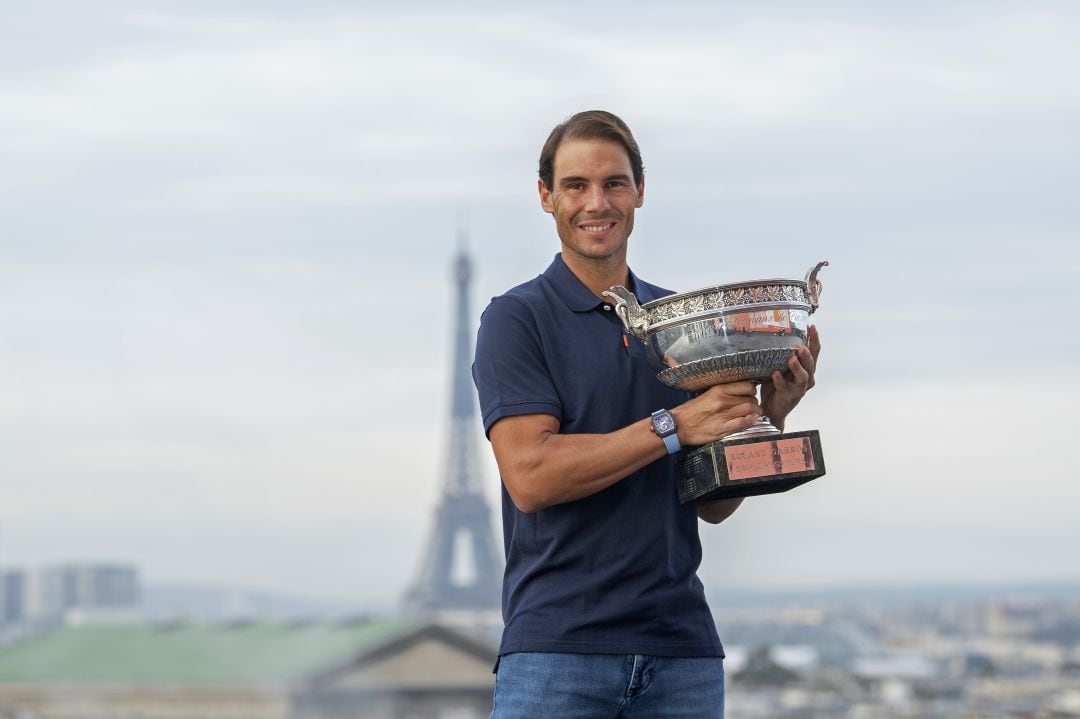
(68, 592)
(930, 652)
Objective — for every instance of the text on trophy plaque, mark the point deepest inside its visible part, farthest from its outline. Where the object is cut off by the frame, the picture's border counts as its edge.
(770, 457)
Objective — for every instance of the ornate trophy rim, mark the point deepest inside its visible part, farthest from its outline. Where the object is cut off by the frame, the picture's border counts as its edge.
(717, 301)
(702, 291)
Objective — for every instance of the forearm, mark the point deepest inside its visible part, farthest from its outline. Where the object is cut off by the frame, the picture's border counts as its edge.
(558, 468)
(718, 511)
(541, 467)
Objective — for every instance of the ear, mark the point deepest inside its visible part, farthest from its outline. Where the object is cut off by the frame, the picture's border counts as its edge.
(640, 193)
(546, 199)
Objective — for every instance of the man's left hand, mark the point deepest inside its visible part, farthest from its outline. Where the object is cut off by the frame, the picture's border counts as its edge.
(780, 396)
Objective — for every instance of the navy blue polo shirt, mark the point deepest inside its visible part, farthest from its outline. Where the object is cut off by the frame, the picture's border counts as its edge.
(615, 572)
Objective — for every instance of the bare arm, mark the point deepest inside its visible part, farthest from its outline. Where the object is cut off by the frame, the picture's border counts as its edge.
(718, 511)
(541, 467)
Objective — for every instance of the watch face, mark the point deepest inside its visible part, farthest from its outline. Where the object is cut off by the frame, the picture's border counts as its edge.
(663, 423)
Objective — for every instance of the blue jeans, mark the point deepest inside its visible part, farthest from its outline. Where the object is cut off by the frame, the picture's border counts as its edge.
(530, 685)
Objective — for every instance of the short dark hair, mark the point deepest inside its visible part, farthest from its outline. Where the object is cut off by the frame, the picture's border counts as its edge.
(590, 125)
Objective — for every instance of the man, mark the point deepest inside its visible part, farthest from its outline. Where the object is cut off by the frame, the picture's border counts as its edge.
(604, 613)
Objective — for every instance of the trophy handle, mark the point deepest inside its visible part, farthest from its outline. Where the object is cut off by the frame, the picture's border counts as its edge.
(813, 285)
(634, 318)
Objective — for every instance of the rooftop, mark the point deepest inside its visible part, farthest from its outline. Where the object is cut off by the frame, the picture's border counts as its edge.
(180, 653)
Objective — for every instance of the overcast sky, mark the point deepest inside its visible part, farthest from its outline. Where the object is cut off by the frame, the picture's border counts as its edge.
(226, 232)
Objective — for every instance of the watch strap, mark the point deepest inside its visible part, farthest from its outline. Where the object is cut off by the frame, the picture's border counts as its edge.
(673, 443)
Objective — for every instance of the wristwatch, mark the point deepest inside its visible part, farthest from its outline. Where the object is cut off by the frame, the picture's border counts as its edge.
(663, 425)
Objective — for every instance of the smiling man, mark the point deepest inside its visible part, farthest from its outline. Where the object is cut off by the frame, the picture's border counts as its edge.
(605, 615)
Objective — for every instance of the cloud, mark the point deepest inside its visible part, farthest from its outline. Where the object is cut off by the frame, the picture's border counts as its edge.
(296, 105)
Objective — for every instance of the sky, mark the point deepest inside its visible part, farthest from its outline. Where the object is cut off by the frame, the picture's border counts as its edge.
(227, 229)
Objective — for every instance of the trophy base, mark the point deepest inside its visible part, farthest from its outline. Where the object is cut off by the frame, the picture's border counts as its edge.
(748, 466)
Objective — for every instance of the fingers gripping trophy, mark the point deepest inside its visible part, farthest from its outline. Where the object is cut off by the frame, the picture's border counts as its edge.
(731, 333)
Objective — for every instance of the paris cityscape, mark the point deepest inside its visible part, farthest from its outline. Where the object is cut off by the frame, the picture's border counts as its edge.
(948, 652)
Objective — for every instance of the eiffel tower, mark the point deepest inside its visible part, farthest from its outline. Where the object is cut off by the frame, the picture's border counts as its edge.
(462, 535)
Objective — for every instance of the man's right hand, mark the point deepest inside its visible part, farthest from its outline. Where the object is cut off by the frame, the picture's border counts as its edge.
(719, 411)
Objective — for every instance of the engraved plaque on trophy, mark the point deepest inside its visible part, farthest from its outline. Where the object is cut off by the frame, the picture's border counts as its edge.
(730, 333)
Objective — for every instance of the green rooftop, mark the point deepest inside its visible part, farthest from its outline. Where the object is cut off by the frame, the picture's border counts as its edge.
(255, 653)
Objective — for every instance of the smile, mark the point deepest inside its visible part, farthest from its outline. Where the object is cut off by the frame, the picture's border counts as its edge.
(604, 227)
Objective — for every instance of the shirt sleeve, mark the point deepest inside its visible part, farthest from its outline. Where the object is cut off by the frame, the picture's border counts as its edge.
(511, 374)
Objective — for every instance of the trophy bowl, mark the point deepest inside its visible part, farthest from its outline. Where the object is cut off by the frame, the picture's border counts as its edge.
(728, 333)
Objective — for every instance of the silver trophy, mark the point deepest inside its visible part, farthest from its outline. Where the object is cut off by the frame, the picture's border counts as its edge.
(730, 333)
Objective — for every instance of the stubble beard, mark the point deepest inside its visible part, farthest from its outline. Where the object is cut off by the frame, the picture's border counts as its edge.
(615, 254)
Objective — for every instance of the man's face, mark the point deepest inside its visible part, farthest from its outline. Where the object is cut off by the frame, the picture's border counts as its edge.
(593, 198)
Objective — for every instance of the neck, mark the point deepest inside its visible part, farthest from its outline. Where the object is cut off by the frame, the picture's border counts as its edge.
(598, 275)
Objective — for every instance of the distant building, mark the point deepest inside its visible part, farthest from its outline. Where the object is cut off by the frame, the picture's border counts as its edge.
(12, 597)
(33, 600)
(762, 670)
(300, 670)
(65, 591)
(89, 587)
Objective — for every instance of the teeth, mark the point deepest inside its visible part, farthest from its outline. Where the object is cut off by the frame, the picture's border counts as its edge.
(597, 228)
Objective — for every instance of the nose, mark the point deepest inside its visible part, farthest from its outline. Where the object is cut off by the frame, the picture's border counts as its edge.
(596, 200)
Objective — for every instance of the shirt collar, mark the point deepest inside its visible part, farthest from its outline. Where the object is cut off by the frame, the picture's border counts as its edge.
(577, 296)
